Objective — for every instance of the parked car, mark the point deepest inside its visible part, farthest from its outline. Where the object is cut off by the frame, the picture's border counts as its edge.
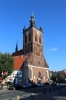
(34, 85)
(59, 85)
(15, 86)
(18, 87)
(53, 84)
(26, 86)
(40, 84)
(46, 83)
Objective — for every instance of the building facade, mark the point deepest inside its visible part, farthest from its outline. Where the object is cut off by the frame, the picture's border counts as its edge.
(34, 67)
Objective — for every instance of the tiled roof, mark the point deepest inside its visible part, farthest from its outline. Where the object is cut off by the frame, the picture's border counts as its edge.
(18, 53)
(18, 62)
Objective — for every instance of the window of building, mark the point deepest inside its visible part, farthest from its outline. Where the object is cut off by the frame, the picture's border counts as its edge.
(31, 46)
(39, 40)
(29, 37)
(25, 39)
(36, 38)
(25, 49)
(30, 73)
(39, 74)
(40, 52)
(38, 63)
(28, 48)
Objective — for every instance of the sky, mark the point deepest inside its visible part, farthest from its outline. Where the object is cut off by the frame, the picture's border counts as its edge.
(50, 14)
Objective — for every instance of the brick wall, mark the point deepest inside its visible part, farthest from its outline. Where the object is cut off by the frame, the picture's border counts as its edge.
(35, 72)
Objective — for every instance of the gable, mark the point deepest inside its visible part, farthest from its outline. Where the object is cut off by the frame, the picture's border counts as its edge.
(18, 63)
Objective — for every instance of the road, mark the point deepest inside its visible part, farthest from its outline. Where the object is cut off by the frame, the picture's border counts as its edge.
(6, 94)
(11, 94)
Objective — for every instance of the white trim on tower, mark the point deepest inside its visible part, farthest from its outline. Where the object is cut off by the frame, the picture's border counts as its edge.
(37, 67)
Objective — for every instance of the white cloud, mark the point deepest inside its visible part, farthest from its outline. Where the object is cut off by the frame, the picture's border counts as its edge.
(54, 49)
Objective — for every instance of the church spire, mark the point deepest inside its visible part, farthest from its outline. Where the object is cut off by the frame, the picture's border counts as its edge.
(32, 21)
(16, 49)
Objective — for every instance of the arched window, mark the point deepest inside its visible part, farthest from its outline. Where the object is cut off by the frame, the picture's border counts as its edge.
(25, 39)
(39, 74)
(36, 38)
(30, 73)
(39, 40)
(29, 37)
(47, 74)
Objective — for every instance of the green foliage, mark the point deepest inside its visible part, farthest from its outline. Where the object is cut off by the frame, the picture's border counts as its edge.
(53, 76)
(6, 62)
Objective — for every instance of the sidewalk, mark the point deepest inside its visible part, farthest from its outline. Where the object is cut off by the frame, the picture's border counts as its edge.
(4, 88)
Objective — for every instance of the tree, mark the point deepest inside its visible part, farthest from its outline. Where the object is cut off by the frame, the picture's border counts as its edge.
(6, 63)
(53, 76)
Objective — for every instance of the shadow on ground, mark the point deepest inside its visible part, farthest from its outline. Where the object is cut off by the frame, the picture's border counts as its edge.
(42, 94)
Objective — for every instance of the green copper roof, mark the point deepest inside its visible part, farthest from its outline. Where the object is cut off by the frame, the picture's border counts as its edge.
(32, 17)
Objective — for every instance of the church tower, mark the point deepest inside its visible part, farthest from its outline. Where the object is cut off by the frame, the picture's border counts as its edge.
(32, 39)
(32, 43)
(34, 68)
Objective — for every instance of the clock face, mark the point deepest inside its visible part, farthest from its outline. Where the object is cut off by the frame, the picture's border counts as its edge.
(27, 32)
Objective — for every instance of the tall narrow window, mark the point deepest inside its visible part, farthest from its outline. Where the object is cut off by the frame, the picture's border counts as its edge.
(40, 40)
(25, 39)
(39, 74)
(30, 73)
(36, 38)
(29, 37)
(25, 49)
(28, 48)
(38, 63)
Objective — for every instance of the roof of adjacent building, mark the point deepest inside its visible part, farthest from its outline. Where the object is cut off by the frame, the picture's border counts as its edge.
(18, 53)
(18, 62)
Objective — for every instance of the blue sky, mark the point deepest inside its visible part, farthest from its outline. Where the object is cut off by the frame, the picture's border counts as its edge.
(50, 14)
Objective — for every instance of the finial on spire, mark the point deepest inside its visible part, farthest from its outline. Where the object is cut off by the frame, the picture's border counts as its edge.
(32, 21)
(32, 12)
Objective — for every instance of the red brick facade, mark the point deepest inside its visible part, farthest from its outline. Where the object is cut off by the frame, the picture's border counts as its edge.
(37, 68)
